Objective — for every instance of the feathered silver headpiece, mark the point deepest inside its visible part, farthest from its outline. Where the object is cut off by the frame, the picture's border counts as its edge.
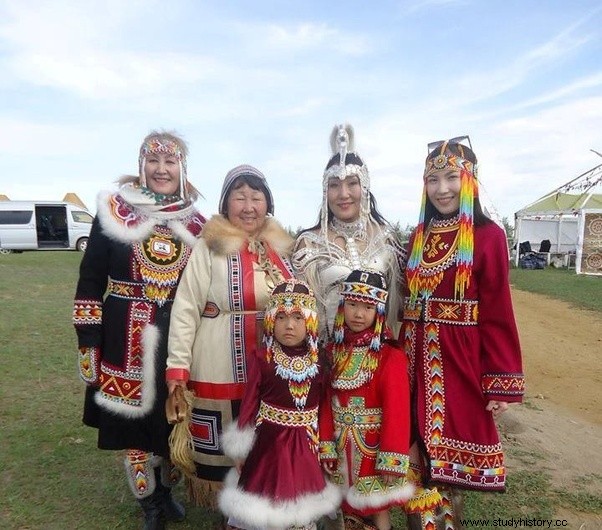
(342, 143)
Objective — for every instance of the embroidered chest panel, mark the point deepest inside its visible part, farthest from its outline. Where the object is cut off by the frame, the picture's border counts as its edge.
(439, 248)
(160, 260)
(354, 372)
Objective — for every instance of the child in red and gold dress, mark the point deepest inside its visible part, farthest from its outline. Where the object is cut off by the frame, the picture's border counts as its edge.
(278, 482)
(365, 424)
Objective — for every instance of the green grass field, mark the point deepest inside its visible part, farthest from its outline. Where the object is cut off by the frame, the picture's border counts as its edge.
(580, 291)
(51, 474)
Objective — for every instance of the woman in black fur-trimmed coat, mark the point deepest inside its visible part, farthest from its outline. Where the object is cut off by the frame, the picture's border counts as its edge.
(139, 245)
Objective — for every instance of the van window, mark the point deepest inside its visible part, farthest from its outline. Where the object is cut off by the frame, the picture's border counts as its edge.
(82, 217)
(13, 217)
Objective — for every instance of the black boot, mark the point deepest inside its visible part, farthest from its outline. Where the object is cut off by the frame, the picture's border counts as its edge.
(173, 510)
(154, 516)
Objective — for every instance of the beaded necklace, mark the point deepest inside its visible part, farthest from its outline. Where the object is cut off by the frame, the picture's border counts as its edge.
(351, 233)
(159, 198)
(297, 370)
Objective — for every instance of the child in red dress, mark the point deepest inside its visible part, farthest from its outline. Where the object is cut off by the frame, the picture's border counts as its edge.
(278, 482)
(365, 424)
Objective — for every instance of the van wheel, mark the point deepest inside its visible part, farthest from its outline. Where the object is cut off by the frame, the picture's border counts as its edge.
(5, 251)
(82, 244)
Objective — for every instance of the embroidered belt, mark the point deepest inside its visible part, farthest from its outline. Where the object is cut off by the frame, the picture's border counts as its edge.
(212, 310)
(360, 418)
(134, 290)
(288, 417)
(444, 310)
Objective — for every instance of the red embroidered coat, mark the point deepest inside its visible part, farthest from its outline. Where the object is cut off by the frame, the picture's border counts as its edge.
(463, 354)
(127, 282)
(365, 427)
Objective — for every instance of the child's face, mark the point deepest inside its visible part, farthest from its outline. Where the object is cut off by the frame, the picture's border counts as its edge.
(359, 315)
(289, 330)
(443, 190)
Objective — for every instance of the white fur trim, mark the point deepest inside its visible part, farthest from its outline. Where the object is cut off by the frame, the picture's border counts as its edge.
(181, 232)
(223, 238)
(376, 500)
(237, 443)
(263, 512)
(118, 231)
(150, 343)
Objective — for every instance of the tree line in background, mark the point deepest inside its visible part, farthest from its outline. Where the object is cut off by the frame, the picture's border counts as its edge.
(403, 234)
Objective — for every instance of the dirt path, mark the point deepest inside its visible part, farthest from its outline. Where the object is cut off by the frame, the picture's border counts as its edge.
(561, 421)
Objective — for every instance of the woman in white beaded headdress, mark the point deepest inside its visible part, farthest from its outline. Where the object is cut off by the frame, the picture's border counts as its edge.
(350, 234)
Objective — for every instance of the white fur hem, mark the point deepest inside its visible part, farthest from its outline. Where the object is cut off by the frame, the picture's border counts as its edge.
(150, 343)
(360, 501)
(237, 443)
(262, 512)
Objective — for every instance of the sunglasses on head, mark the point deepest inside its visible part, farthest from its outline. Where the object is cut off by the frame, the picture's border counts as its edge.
(457, 140)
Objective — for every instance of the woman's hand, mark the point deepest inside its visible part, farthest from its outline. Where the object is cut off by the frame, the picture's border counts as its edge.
(387, 478)
(173, 383)
(329, 467)
(496, 407)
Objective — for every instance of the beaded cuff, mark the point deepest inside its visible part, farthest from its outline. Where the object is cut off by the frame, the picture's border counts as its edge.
(392, 462)
(327, 451)
(503, 384)
(89, 364)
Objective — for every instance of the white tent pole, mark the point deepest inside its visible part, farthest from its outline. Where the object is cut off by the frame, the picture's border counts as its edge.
(516, 238)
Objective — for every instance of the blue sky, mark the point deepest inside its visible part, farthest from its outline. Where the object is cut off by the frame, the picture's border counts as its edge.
(263, 82)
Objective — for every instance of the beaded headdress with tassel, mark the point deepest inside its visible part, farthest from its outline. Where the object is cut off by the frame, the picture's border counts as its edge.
(344, 162)
(367, 286)
(447, 154)
(293, 296)
(169, 144)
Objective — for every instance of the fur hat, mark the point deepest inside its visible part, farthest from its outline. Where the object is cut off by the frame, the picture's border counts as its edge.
(242, 171)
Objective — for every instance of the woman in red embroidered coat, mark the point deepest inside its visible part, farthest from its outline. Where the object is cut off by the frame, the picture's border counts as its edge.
(459, 330)
(281, 483)
(217, 315)
(140, 242)
(365, 420)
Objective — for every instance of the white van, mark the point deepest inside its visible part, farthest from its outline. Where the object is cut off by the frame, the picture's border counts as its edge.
(43, 225)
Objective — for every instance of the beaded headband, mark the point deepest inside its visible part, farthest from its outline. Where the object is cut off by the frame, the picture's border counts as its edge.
(447, 160)
(155, 145)
(363, 292)
(356, 287)
(418, 285)
(295, 297)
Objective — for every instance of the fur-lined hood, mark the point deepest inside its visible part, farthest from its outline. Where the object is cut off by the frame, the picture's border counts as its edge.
(223, 238)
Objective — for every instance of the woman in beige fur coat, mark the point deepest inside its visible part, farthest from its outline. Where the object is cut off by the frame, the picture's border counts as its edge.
(217, 315)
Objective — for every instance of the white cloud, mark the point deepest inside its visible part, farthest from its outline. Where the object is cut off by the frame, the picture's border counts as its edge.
(309, 36)
(501, 78)
(421, 5)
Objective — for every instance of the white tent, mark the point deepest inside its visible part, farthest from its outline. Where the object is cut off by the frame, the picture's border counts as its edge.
(555, 216)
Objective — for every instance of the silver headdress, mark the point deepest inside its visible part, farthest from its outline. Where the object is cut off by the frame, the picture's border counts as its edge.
(345, 162)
